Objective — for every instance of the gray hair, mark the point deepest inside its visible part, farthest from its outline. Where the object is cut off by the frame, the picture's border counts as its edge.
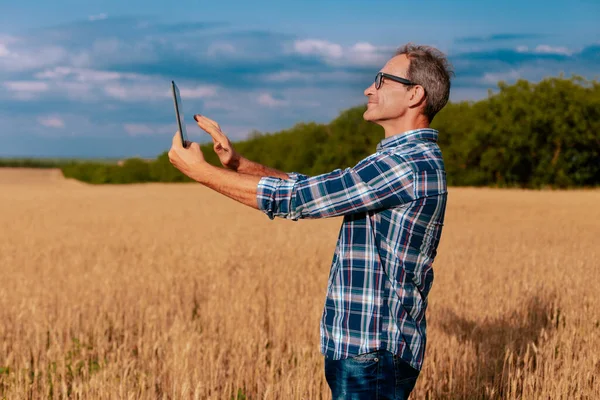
(429, 68)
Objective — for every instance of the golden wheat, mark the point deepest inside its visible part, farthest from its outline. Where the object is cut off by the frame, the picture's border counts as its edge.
(172, 291)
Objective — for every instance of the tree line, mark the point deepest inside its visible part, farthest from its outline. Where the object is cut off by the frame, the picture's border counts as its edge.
(528, 135)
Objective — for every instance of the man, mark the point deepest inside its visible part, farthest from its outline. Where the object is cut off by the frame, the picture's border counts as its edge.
(373, 329)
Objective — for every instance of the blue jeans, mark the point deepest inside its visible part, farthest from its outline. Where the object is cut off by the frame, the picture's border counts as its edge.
(373, 376)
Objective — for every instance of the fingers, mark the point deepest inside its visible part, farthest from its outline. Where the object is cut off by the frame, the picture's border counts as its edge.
(198, 116)
(210, 127)
(207, 124)
(188, 144)
(213, 122)
(177, 139)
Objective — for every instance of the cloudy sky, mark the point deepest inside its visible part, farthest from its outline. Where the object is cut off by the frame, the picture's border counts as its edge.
(92, 79)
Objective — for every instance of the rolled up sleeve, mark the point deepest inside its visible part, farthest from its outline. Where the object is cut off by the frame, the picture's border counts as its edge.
(377, 182)
(274, 196)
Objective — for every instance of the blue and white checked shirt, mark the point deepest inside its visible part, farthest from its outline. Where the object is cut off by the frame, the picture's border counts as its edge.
(393, 203)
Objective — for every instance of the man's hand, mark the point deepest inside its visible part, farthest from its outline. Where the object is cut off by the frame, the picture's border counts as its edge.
(189, 159)
(222, 146)
(230, 158)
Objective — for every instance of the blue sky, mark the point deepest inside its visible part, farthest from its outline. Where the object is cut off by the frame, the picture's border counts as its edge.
(91, 79)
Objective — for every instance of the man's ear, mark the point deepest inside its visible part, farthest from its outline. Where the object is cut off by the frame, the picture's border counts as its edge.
(417, 96)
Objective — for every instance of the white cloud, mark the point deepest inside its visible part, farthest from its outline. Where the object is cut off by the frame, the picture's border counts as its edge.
(360, 54)
(493, 78)
(26, 90)
(141, 129)
(102, 76)
(4, 41)
(222, 104)
(81, 83)
(268, 100)
(27, 86)
(312, 78)
(198, 92)
(106, 46)
(138, 129)
(82, 59)
(56, 73)
(545, 49)
(84, 83)
(318, 47)
(98, 17)
(51, 122)
(116, 91)
(23, 60)
(7, 39)
(140, 91)
(136, 91)
(86, 75)
(531, 73)
(364, 47)
(220, 48)
(76, 90)
(365, 54)
(286, 76)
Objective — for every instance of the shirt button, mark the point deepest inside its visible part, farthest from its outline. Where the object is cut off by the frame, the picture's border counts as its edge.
(376, 359)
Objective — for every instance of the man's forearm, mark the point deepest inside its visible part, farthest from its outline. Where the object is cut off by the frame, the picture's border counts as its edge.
(248, 167)
(237, 186)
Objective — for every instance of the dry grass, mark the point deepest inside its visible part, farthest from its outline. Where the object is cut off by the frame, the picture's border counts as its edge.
(172, 291)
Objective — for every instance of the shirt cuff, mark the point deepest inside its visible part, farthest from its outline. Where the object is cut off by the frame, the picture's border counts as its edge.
(297, 176)
(274, 196)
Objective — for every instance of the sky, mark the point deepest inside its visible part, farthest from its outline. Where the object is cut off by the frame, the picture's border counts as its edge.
(92, 79)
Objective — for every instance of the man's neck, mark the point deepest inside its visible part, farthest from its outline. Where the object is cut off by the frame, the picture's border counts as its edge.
(392, 128)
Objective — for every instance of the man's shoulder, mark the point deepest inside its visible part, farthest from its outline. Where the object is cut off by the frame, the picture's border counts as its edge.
(420, 155)
(424, 158)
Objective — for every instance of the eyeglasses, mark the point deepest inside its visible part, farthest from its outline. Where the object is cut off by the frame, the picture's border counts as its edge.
(380, 75)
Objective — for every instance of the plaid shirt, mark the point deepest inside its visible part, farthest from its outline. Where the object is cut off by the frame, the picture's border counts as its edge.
(393, 203)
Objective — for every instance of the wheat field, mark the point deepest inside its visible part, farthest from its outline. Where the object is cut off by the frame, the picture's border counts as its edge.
(171, 291)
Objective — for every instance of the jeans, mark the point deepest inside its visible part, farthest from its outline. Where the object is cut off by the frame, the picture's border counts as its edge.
(373, 376)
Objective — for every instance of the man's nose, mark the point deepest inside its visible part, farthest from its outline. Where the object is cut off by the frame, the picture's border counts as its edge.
(370, 90)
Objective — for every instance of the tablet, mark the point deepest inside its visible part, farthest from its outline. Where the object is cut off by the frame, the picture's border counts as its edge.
(179, 113)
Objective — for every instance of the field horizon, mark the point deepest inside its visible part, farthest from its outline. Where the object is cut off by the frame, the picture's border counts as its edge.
(156, 290)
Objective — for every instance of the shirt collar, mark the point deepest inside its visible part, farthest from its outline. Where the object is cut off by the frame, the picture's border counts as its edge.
(408, 136)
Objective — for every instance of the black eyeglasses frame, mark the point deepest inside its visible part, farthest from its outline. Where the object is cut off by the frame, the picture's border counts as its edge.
(380, 75)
